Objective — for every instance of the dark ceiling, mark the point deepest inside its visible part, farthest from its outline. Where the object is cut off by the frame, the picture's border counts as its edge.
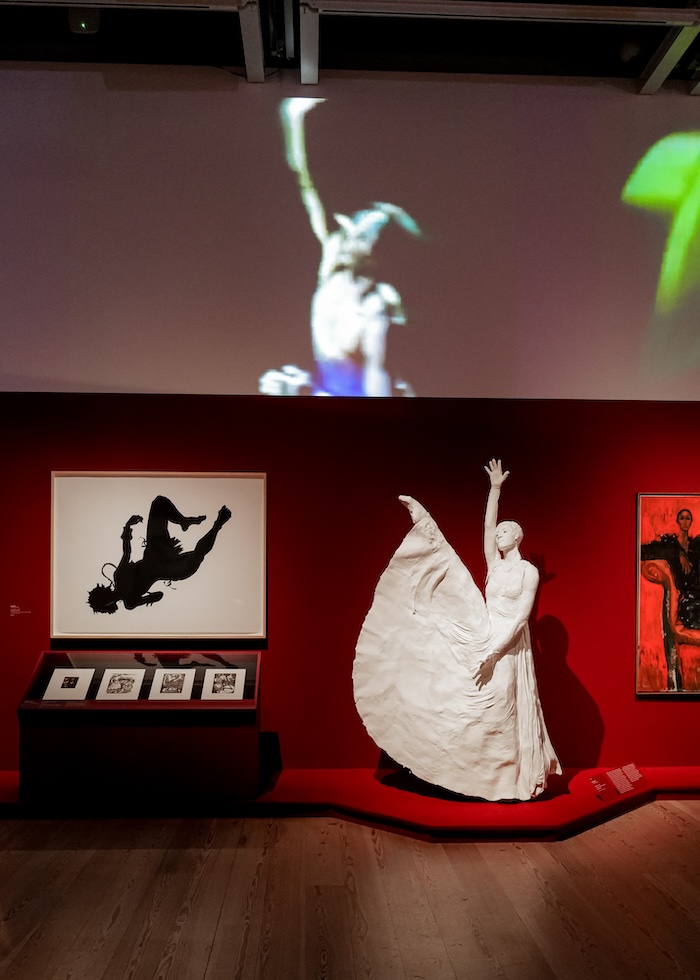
(480, 44)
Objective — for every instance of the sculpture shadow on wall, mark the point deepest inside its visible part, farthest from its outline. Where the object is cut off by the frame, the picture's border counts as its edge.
(573, 718)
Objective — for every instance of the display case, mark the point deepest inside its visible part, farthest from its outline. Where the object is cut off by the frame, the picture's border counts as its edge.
(129, 729)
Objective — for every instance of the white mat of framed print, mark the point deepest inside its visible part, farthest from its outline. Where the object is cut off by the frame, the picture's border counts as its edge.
(185, 568)
(223, 684)
(69, 684)
(172, 685)
(120, 685)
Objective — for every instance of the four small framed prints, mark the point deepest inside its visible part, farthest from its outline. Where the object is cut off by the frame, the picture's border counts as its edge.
(127, 684)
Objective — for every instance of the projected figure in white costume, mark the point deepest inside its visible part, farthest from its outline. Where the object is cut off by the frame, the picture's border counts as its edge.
(445, 680)
(351, 312)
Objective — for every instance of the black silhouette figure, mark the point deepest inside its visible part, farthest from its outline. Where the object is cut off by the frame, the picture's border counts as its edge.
(163, 558)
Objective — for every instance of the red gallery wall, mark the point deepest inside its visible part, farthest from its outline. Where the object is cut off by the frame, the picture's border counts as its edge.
(335, 469)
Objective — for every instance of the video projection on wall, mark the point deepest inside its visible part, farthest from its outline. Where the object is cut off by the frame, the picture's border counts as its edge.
(180, 230)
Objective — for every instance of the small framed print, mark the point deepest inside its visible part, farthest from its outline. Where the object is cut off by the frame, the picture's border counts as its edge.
(172, 685)
(69, 684)
(119, 684)
(223, 684)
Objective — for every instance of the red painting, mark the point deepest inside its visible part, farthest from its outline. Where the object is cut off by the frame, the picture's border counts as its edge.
(668, 594)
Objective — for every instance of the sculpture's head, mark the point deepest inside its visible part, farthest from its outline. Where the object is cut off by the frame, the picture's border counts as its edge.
(509, 534)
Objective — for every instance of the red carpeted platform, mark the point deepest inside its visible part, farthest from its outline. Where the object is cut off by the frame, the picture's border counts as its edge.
(573, 802)
(393, 799)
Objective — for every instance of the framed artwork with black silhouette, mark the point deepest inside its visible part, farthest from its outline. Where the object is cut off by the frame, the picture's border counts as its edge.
(158, 555)
(668, 594)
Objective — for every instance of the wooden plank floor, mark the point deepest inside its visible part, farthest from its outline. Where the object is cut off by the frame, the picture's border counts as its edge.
(311, 898)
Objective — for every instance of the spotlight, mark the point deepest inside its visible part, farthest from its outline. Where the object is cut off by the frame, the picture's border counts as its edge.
(84, 20)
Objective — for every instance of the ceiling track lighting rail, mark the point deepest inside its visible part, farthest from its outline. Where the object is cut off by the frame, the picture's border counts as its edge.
(683, 24)
(472, 10)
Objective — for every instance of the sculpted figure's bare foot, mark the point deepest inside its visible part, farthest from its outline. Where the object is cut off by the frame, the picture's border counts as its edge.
(416, 510)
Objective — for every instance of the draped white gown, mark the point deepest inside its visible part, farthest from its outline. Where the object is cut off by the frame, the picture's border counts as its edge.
(421, 644)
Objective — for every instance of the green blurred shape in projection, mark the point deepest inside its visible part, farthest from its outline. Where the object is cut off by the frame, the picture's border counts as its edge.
(667, 179)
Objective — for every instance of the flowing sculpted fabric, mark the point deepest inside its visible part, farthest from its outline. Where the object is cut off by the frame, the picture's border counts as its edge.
(444, 679)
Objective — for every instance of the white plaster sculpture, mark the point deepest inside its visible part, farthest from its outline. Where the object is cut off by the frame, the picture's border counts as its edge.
(444, 680)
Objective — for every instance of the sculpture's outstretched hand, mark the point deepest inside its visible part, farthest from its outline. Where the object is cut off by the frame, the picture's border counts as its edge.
(496, 474)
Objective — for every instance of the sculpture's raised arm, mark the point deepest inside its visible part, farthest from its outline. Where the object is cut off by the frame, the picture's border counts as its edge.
(497, 477)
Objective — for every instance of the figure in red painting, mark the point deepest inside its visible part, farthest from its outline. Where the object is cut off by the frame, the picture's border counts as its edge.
(672, 560)
(682, 553)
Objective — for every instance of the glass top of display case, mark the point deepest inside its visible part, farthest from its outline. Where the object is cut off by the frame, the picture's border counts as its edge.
(144, 679)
